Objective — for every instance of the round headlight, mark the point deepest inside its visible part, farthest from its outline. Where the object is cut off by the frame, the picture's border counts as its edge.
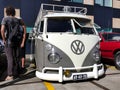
(54, 58)
(96, 55)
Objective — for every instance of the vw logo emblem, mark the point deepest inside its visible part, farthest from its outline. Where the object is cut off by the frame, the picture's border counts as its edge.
(77, 47)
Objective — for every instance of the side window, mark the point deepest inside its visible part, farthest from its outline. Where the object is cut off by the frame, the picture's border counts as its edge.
(41, 26)
(108, 37)
(105, 36)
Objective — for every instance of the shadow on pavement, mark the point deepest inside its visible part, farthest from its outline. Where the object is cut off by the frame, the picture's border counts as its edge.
(29, 75)
(3, 66)
(107, 62)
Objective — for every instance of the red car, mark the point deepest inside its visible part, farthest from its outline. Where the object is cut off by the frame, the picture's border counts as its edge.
(110, 47)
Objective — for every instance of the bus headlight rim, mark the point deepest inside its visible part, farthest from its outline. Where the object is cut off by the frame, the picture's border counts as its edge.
(54, 58)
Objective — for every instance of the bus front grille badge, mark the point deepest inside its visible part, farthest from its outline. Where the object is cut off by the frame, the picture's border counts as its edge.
(77, 47)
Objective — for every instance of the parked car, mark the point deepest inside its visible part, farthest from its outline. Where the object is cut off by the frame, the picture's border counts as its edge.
(110, 47)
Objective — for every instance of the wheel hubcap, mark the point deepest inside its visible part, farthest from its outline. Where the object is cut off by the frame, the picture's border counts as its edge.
(118, 60)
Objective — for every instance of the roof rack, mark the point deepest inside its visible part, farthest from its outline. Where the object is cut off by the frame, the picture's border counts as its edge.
(62, 8)
(52, 8)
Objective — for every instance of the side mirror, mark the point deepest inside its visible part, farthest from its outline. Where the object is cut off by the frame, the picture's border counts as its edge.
(32, 34)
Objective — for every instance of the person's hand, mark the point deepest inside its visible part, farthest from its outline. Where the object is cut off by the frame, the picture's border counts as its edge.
(22, 45)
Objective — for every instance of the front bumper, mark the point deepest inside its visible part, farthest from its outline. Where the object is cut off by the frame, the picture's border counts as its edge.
(97, 70)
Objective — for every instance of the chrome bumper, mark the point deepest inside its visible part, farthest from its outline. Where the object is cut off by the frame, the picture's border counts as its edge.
(60, 77)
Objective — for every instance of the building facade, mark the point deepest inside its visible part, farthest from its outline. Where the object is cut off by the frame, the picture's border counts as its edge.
(105, 13)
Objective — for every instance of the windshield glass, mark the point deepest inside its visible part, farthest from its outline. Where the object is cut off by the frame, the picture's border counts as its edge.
(79, 26)
(59, 25)
(112, 36)
(83, 26)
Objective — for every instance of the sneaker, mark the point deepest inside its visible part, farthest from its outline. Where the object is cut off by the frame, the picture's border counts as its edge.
(9, 78)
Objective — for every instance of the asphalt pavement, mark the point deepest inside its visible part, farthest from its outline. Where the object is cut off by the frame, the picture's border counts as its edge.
(29, 81)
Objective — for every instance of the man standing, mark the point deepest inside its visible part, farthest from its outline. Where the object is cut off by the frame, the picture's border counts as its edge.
(9, 46)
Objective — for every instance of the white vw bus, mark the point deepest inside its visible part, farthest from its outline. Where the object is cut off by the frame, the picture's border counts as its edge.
(66, 44)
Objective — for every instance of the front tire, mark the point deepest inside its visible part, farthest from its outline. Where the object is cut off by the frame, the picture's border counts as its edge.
(117, 60)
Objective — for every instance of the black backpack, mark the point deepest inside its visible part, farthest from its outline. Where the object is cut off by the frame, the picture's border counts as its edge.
(15, 31)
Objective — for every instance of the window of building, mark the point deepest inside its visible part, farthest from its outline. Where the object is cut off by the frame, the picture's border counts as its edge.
(107, 3)
(116, 22)
(99, 2)
(89, 2)
(56, 0)
(116, 4)
(79, 1)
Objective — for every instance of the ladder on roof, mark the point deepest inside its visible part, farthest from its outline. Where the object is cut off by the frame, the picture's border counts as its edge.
(46, 8)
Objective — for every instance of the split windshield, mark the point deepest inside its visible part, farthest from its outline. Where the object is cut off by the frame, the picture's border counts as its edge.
(77, 26)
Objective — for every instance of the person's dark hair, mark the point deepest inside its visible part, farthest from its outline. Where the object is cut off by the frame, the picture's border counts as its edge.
(10, 11)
